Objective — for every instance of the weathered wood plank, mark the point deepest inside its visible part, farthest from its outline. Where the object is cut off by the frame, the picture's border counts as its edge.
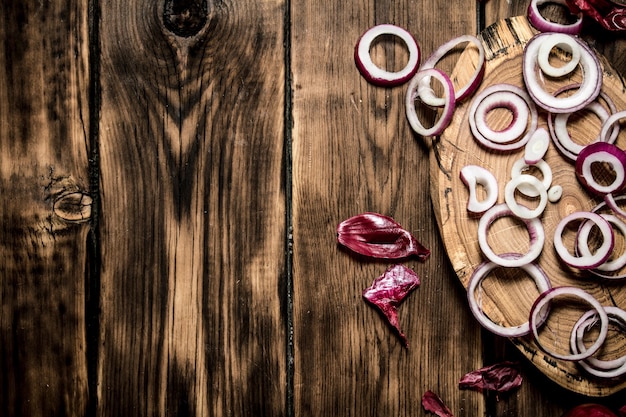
(44, 125)
(353, 151)
(193, 209)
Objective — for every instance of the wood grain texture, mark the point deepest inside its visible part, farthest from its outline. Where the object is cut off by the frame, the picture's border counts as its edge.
(353, 151)
(504, 43)
(193, 220)
(44, 208)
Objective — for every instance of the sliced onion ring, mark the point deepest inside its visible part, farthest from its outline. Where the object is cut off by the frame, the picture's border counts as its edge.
(522, 211)
(480, 273)
(480, 138)
(584, 262)
(506, 100)
(535, 231)
(589, 88)
(613, 204)
(601, 368)
(560, 138)
(543, 25)
(583, 246)
(609, 123)
(472, 175)
(606, 153)
(376, 75)
(448, 109)
(426, 93)
(563, 42)
(518, 168)
(539, 308)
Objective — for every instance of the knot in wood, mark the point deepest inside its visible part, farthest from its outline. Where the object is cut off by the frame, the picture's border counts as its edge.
(185, 18)
(73, 207)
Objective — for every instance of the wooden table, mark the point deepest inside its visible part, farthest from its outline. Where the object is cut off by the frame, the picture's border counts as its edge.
(171, 177)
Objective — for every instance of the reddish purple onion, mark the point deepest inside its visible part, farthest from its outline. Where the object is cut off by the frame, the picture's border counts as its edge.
(498, 378)
(378, 236)
(389, 290)
(432, 403)
(590, 410)
(601, 153)
(378, 76)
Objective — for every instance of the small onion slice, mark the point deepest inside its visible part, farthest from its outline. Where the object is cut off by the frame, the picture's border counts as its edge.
(518, 168)
(544, 25)
(537, 146)
(480, 273)
(426, 93)
(563, 42)
(522, 211)
(601, 368)
(535, 231)
(537, 314)
(472, 175)
(448, 109)
(589, 88)
(582, 261)
(474, 121)
(376, 75)
(601, 153)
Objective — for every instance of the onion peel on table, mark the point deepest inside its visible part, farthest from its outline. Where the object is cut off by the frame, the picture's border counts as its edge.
(499, 378)
(434, 404)
(381, 237)
(609, 15)
(389, 290)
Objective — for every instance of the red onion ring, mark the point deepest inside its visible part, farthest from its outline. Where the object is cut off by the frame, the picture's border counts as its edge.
(610, 124)
(376, 75)
(563, 42)
(583, 246)
(426, 93)
(480, 273)
(472, 175)
(535, 232)
(589, 88)
(506, 100)
(601, 368)
(601, 152)
(448, 109)
(519, 210)
(560, 127)
(613, 205)
(543, 25)
(539, 307)
(582, 261)
(518, 168)
(496, 88)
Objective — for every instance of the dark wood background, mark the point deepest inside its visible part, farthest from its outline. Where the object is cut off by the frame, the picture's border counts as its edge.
(171, 177)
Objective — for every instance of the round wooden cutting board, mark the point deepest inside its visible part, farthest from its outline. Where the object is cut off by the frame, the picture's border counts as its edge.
(507, 295)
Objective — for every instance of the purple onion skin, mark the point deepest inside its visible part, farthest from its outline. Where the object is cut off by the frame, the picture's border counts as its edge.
(590, 410)
(380, 237)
